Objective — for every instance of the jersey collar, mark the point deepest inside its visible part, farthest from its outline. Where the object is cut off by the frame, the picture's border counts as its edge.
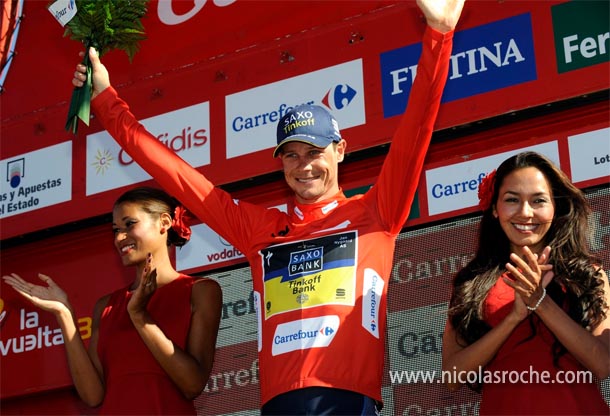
(304, 213)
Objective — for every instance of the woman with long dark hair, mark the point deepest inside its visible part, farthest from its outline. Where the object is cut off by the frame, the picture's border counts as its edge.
(529, 314)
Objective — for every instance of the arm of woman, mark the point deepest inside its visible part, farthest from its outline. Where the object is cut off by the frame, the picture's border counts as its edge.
(52, 298)
(459, 359)
(85, 366)
(189, 369)
(590, 348)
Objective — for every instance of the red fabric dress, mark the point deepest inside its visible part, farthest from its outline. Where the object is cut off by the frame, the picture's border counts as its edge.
(135, 383)
(531, 360)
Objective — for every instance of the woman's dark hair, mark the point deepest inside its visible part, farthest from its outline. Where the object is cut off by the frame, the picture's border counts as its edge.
(155, 201)
(577, 285)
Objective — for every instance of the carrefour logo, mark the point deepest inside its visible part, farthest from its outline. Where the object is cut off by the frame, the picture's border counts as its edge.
(372, 292)
(252, 115)
(339, 97)
(300, 334)
(305, 333)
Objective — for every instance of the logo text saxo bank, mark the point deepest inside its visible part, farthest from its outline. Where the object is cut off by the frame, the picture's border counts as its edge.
(485, 58)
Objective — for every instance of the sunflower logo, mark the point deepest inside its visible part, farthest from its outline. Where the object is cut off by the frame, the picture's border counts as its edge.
(103, 161)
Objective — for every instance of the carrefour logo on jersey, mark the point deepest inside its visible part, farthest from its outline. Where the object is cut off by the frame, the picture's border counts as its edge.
(304, 334)
(252, 115)
(485, 58)
(372, 292)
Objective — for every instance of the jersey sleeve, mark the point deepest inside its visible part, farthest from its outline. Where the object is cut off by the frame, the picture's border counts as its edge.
(397, 183)
(209, 204)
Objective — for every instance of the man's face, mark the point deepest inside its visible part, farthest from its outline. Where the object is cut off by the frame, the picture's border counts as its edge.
(312, 172)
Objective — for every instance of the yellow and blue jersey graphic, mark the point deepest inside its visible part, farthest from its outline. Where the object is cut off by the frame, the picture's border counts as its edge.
(310, 273)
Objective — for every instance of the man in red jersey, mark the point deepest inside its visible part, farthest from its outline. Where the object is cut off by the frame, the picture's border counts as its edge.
(320, 271)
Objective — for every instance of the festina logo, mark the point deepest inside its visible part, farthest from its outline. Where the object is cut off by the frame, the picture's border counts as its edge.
(484, 58)
(477, 60)
(466, 63)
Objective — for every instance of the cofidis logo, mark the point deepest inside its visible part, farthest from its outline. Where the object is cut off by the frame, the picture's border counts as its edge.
(485, 58)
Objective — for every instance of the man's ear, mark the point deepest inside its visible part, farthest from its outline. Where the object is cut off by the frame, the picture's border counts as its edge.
(340, 149)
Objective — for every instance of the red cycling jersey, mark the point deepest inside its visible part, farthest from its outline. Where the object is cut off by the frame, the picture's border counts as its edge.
(320, 271)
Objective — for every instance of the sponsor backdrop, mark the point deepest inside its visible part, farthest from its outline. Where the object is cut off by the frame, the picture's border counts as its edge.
(229, 69)
(214, 99)
(426, 259)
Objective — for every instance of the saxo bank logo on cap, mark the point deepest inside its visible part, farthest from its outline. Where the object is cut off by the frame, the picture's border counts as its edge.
(311, 124)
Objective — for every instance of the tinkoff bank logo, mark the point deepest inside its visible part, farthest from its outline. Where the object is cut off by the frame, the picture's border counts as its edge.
(485, 58)
(15, 170)
(304, 334)
(339, 97)
(581, 34)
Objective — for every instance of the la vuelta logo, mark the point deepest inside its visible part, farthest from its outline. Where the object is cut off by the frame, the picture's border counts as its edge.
(35, 337)
(167, 15)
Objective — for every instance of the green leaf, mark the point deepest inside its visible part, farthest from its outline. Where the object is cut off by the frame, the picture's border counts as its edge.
(109, 24)
(105, 25)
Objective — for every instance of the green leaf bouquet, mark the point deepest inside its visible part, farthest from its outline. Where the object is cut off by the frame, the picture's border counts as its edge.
(104, 25)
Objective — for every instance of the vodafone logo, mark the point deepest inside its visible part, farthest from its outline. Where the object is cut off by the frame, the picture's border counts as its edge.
(225, 254)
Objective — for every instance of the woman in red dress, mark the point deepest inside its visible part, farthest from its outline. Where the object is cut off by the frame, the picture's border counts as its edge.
(153, 342)
(528, 322)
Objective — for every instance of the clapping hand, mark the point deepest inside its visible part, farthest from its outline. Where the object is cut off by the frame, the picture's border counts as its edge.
(530, 276)
(146, 288)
